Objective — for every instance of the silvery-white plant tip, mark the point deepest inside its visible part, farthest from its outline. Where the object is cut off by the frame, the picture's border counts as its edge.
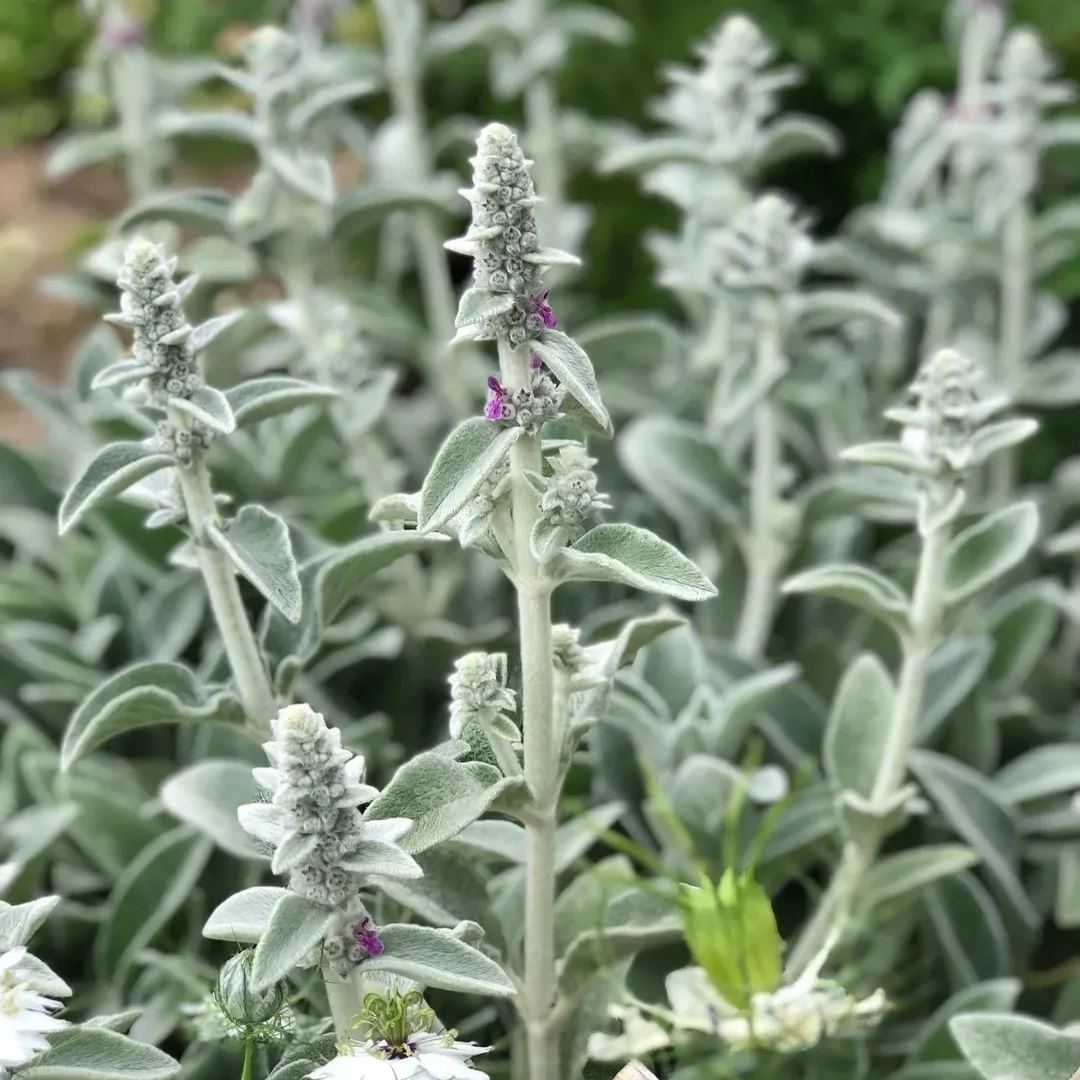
(635, 1071)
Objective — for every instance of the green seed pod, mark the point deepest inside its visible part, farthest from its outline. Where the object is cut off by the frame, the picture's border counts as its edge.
(236, 998)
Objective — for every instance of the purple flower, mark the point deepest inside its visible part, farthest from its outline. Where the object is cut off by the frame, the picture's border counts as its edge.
(535, 362)
(496, 399)
(543, 310)
(119, 32)
(367, 938)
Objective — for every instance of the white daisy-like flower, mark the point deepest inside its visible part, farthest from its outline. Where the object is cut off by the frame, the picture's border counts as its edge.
(25, 1015)
(425, 1056)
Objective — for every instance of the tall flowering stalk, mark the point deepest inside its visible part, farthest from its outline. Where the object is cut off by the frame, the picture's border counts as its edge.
(948, 431)
(496, 485)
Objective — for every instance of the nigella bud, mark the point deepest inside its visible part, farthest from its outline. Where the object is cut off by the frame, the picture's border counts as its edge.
(242, 1005)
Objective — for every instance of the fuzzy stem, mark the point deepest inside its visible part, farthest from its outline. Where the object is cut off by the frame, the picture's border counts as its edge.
(918, 644)
(433, 270)
(344, 1006)
(542, 752)
(764, 550)
(252, 681)
(1016, 285)
(131, 76)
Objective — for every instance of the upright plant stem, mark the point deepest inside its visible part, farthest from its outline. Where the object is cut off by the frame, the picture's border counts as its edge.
(343, 996)
(249, 1058)
(918, 644)
(436, 285)
(542, 751)
(247, 666)
(1016, 287)
(763, 551)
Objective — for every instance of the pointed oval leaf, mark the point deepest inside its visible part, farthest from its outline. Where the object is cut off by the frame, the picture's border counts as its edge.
(139, 696)
(908, 871)
(479, 305)
(259, 399)
(857, 585)
(244, 916)
(570, 364)
(1006, 1047)
(634, 557)
(989, 548)
(858, 727)
(257, 543)
(209, 406)
(207, 795)
(464, 461)
(206, 332)
(113, 469)
(296, 927)
(436, 958)
(95, 1053)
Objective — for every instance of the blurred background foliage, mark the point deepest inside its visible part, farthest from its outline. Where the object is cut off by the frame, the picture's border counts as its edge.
(862, 62)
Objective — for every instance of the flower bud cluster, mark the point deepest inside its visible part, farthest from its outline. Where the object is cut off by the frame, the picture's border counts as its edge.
(570, 497)
(566, 649)
(182, 443)
(356, 941)
(730, 97)
(478, 692)
(313, 819)
(152, 305)
(950, 402)
(502, 237)
(528, 407)
(765, 247)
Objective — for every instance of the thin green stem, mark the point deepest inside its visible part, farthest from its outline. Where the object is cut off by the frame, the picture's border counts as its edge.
(241, 648)
(542, 750)
(249, 1059)
(764, 550)
(1016, 290)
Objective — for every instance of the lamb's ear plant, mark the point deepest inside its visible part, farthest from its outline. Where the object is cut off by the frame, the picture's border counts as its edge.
(164, 370)
(871, 745)
(527, 502)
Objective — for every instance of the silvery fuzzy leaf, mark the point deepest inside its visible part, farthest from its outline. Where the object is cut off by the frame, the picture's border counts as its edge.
(741, 704)
(400, 509)
(952, 673)
(28, 833)
(591, 21)
(934, 1043)
(259, 399)
(113, 469)
(653, 151)
(1007, 1047)
(1052, 769)
(370, 205)
(552, 257)
(205, 210)
(634, 557)
(211, 124)
(244, 916)
(794, 135)
(307, 174)
(147, 894)
(140, 696)
(205, 333)
(19, 922)
(979, 815)
(82, 148)
(479, 305)
(471, 452)
(208, 406)
(859, 725)
(118, 374)
(207, 796)
(829, 308)
(452, 888)
(379, 859)
(990, 438)
(476, 27)
(896, 876)
(217, 260)
(888, 455)
(436, 958)
(293, 849)
(257, 543)
(308, 112)
(569, 363)
(1053, 381)
(296, 926)
(858, 585)
(679, 468)
(441, 796)
(95, 1053)
(988, 549)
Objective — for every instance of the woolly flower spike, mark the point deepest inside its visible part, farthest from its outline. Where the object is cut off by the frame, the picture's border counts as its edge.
(400, 1045)
(766, 247)
(479, 694)
(313, 819)
(25, 1016)
(506, 299)
(951, 402)
(152, 305)
(570, 497)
